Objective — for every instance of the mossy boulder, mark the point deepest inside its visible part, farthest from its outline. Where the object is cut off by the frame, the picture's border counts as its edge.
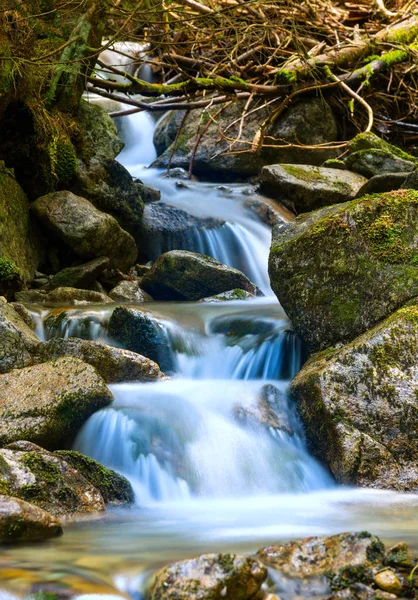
(80, 276)
(114, 488)
(63, 295)
(309, 122)
(129, 291)
(209, 577)
(47, 403)
(24, 522)
(333, 563)
(84, 229)
(46, 480)
(19, 249)
(99, 132)
(183, 275)
(304, 187)
(142, 333)
(376, 162)
(115, 365)
(368, 140)
(338, 271)
(17, 340)
(359, 405)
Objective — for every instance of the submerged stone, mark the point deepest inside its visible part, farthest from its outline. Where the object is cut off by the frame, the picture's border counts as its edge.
(42, 478)
(209, 577)
(359, 405)
(48, 403)
(183, 275)
(24, 522)
(304, 187)
(339, 270)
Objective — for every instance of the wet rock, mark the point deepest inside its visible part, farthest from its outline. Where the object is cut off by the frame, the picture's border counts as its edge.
(242, 326)
(47, 404)
(304, 187)
(376, 162)
(148, 194)
(340, 270)
(166, 227)
(141, 333)
(267, 211)
(388, 582)
(236, 294)
(209, 577)
(46, 480)
(182, 275)
(86, 230)
(270, 411)
(359, 405)
(17, 340)
(387, 182)
(359, 591)
(76, 323)
(18, 243)
(80, 276)
(111, 188)
(25, 315)
(114, 488)
(399, 556)
(307, 122)
(63, 295)
(115, 365)
(129, 291)
(24, 522)
(340, 558)
(99, 132)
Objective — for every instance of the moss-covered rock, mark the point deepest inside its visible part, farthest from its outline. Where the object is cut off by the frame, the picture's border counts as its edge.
(309, 122)
(87, 231)
(376, 162)
(17, 340)
(379, 184)
(114, 488)
(24, 522)
(182, 275)
(359, 405)
(115, 365)
(209, 577)
(129, 291)
(63, 295)
(142, 333)
(338, 557)
(47, 403)
(19, 252)
(367, 141)
(46, 480)
(304, 187)
(80, 276)
(340, 270)
(99, 132)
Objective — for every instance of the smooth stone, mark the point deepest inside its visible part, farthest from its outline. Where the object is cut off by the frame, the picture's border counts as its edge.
(33, 474)
(24, 522)
(304, 187)
(65, 295)
(183, 275)
(17, 340)
(85, 229)
(267, 212)
(80, 276)
(376, 162)
(387, 182)
(115, 365)
(236, 294)
(47, 403)
(129, 291)
(388, 582)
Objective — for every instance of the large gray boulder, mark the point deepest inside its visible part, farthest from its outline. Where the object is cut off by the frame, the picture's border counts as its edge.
(304, 187)
(87, 231)
(183, 275)
(45, 479)
(17, 340)
(47, 403)
(115, 365)
(340, 270)
(309, 122)
(209, 577)
(359, 405)
(24, 522)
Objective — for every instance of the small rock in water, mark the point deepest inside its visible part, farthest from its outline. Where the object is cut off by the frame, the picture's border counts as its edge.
(24, 522)
(129, 291)
(388, 582)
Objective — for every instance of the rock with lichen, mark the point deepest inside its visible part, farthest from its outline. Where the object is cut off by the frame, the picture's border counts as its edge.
(129, 291)
(17, 340)
(304, 187)
(47, 403)
(339, 270)
(42, 478)
(21, 521)
(209, 577)
(359, 405)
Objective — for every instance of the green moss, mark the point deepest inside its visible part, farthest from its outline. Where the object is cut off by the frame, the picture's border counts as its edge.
(284, 76)
(345, 310)
(42, 468)
(367, 141)
(8, 270)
